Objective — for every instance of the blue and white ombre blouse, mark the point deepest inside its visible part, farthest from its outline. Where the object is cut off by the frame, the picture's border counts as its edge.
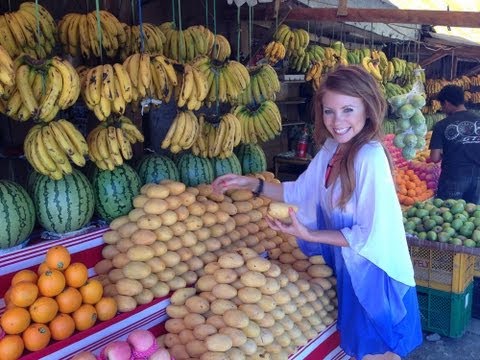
(377, 301)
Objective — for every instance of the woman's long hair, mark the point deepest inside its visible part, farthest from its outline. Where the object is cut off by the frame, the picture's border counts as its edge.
(356, 82)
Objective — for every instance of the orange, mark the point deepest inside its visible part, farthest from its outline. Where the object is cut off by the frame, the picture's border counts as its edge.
(62, 327)
(106, 308)
(36, 337)
(85, 317)
(51, 283)
(25, 275)
(11, 347)
(23, 294)
(42, 268)
(76, 275)
(69, 300)
(92, 291)
(58, 258)
(15, 320)
(43, 310)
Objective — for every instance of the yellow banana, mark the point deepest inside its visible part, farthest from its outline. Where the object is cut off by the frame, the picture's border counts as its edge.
(75, 136)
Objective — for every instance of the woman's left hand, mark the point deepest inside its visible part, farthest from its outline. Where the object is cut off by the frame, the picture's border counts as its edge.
(295, 228)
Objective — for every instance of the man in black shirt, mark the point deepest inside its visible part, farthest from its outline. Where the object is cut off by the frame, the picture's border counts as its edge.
(456, 142)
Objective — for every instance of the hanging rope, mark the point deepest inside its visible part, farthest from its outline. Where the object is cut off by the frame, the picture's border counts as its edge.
(173, 13)
(99, 29)
(250, 30)
(217, 74)
(206, 14)
(239, 29)
(132, 3)
(9, 6)
(179, 14)
(140, 21)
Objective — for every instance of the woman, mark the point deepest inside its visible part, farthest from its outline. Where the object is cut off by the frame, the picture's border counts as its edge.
(349, 213)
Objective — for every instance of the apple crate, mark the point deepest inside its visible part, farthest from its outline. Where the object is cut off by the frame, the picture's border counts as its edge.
(445, 313)
(442, 270)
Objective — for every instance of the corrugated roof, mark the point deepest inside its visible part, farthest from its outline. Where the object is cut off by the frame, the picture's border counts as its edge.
(472, 34)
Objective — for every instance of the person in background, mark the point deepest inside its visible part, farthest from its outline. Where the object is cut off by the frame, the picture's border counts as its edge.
(350, 214)
(456, 142)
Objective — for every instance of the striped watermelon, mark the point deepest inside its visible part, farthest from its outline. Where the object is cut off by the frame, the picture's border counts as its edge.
(64, 205)
(17, 214)
(252, 158)
(114, 191)
(195, 170)
(229, 165)
(154, 168)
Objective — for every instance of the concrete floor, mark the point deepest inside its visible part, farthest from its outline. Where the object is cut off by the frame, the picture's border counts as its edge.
(465, 348)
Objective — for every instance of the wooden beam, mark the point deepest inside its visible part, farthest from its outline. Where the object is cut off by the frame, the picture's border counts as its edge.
(473, 71)
(435, 57)
(388, 16)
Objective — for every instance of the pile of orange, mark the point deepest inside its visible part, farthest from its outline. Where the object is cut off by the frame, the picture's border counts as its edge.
(410, 188)
(51, 304)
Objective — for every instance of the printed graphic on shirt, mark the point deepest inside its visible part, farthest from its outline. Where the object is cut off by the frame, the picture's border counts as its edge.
(465, 132)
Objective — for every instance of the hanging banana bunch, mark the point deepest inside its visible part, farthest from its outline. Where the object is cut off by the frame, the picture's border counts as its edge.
(217, 141)
(110, 143)
(185, 45)
(50, 147)
(79, 34)
(182, 133)
(221, 49)
(314, 74)
(264, 84)
(154, 40)
(42, 88)
(225, 81)
(274, 52)
(19, 33)
(260, 123)
(192, 88)
(7, 71)
(295, 41)
(106, 89)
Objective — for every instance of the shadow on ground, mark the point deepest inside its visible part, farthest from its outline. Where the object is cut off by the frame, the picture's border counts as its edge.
(465, 348)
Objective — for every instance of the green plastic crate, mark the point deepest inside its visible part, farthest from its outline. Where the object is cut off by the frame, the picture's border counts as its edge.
(445, 313)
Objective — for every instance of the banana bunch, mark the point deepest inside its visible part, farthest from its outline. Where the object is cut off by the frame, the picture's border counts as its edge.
(41, 89)
(339, 49)
(109, 144)
(192, 89)
(434, 107)
(106, 89)
(294, 40)
(393, 89)
(7, 71)
(314, 74)
(183, 132)
(302, 62)
(164, 78)
(400, 66)
(221, 49)
(263, 85)
(355, 56)
(18, 31)
(154, 40)
(225, 82)
(260, 124)
(50, 147)
(473, 97)
(217, 141)
(475, 80)
(274, 52)
(372, 66)
(185, 45)
(78, 34)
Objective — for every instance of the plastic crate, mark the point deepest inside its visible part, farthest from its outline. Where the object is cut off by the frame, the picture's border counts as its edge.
(442, 270)
(476, 271)
(445, 313)
(476, 298)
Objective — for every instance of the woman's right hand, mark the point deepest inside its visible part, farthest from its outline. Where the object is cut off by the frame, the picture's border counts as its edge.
(234, 181)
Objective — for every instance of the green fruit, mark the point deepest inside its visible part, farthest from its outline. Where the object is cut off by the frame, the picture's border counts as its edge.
(438, 219)
(429, 224)
(420, 228)
(403, 124)
(432, 236)
(421, 142)
(476, 214)
(476, 222)
(447, 216)
(416, 220)
(406, 111)
(398, 140)
(449, 202)
(410, 140)
(398, 101)
(422, 235)
(228, 165)
(455, 241)
(466, 229)
(460, 217)
(417, 118)
(469, 243)
(155, 168)
(411, 211)
(470, 208)
(409, 226)
(252, 158)
(450, 231)
(437, 202)
(417, 101)
(476, 235)
(457, 224)
(409, 152)
(421, 213)
(443, 237)
(195, 170)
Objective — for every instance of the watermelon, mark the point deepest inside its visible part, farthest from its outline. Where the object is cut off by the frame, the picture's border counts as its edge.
(114, 191)
(229, 165)
(195, 170)
(17, 214)
(63, 205)
(252, 158)
(155, 168)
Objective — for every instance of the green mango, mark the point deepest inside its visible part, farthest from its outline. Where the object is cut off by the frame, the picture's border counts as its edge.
(476, 235)
(455, 241)
(447, 216)
(469, 243)
(438, 202)
(432, 236)
(443, 237)
(457, 208)
(457, 224)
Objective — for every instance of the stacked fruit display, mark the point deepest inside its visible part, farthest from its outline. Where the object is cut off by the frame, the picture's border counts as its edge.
(7, 73)
(263, 85)
(259, 123)
(448, 221)
(52, 303)
(31, 30)
(79, 34)
(411, 124)
(274, 52)
(154, 40)
(410, 188)
(428, 172)
(42, 88)
(295, 41)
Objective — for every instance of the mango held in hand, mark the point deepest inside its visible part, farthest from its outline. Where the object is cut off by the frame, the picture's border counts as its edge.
(279, 210)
